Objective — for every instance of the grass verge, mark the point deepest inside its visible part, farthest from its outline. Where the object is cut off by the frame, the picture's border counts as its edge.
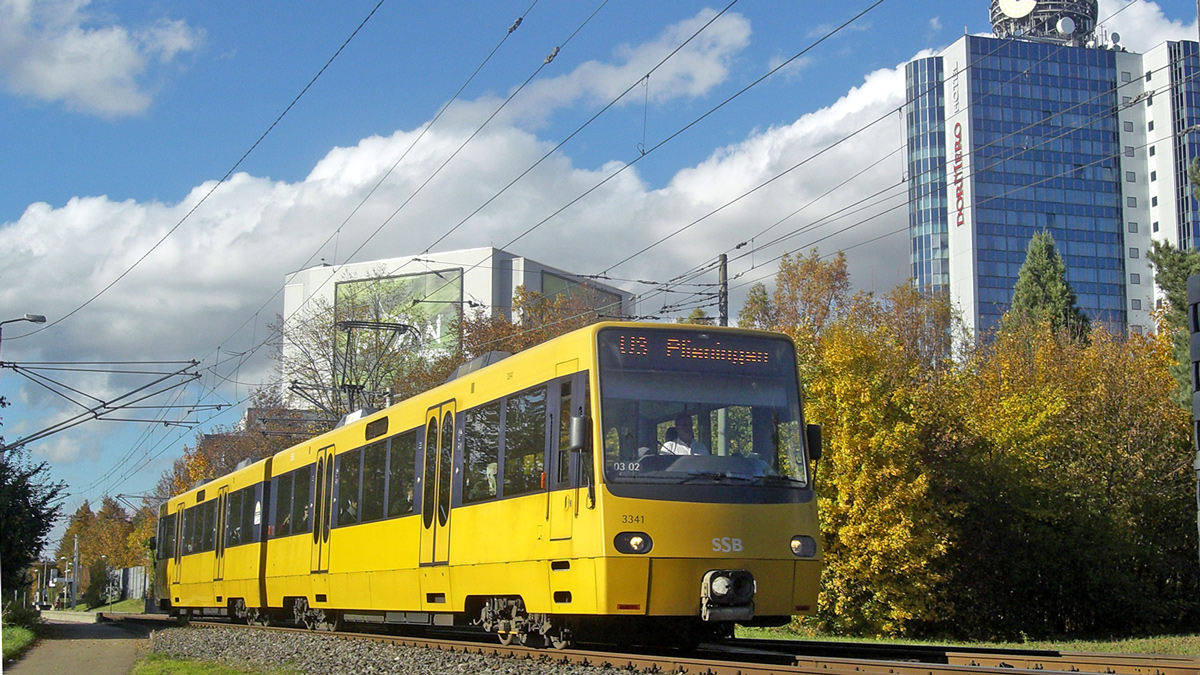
(158, 664)
(16, 640)
(1180, 645)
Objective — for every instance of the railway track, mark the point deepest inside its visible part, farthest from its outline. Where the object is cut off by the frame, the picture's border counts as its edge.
(791, 657)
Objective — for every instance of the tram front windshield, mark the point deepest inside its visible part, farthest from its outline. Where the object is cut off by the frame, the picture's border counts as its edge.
(694, 407)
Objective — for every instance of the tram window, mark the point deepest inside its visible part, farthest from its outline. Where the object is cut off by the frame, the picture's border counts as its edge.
(374, 477)
(189, 529)
(301, 500)
(251, 513)
(564, 434)
(481, 452)
(347, 487)
(166, 537)
(525, 442)
(209, 510)
(403, 456)
(445, 464)
(585, 455)
(283, 505)
(240, 529)
(233, 529)
(377, 428)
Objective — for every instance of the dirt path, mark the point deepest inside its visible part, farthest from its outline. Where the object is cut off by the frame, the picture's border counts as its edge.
(83, 648)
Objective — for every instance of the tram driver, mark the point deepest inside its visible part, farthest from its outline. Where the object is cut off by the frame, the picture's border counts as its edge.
(686, 443)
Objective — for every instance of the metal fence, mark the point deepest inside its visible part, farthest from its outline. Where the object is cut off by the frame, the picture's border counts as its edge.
(131, 582)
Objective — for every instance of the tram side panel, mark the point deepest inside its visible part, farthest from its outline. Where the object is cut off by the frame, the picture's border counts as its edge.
(242, 541)
(523, 524)
(290, 523)
(216, 548)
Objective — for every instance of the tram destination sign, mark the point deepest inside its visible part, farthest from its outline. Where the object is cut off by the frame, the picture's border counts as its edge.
(687, 350)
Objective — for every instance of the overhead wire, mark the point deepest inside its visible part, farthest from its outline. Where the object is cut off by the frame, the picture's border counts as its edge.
(888, 114)
(652, 149)
(900, 109)
(509, 32)
(216, 185)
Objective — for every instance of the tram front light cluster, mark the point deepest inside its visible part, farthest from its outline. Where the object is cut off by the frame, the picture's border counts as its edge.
(804, 547)
(729, 587)
(638, 543)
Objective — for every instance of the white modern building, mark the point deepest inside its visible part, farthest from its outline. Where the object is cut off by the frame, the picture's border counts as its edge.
(477, 278)
(427, 293)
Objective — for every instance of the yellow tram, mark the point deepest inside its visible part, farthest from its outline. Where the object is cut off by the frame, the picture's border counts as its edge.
(623, 479)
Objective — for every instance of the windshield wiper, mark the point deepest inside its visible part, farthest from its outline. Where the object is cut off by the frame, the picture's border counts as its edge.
(777, 480)
(715, 476)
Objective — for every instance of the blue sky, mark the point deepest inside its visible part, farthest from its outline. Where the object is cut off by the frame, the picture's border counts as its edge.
(118, 117)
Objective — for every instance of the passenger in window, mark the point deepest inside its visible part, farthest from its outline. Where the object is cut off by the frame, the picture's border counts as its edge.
(401, 504)
(686, 444)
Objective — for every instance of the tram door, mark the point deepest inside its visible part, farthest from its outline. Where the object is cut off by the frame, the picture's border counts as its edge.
(435, 484)
(567, 466)
(219, 543)
(179, 542)
(562, 498)
(323, 505)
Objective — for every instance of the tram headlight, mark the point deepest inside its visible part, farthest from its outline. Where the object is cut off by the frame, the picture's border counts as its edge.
(804, 547)
(633, 542)
(721, 586)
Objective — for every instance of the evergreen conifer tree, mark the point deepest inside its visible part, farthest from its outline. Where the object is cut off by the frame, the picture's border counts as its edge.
(1043, 292)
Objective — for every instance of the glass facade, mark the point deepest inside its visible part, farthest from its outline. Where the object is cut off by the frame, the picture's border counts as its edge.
(925, 117)
(1044, 155)
(1045, 146)
(1185, 106)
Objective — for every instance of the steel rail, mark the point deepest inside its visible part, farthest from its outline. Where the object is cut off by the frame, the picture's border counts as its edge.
(785, 657)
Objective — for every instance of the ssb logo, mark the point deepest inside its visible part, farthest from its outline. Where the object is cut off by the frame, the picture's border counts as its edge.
(726, 545)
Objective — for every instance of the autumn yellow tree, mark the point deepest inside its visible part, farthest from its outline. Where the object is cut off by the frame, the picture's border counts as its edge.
(104, 544)
(536, 318)
(867, 365)
(1073, 482)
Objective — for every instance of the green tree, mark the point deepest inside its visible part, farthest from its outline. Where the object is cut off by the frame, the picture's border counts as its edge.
(756, 312)
(30, 503)
(699, 317)
(1172, 267)
(1042, 289)
(536, 319)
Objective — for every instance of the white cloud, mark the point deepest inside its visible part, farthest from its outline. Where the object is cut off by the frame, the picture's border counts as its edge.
(197, 291)
(792, 71)
(52, 50)
(1142, 24)
(698, 67)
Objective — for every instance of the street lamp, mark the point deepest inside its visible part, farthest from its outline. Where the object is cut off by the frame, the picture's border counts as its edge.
(32, 318)
(66, 575)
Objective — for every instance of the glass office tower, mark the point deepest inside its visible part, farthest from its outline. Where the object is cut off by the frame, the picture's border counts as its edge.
(1012, 136)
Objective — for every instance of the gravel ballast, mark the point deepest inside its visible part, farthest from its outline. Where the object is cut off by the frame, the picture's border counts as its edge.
(317, 654)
